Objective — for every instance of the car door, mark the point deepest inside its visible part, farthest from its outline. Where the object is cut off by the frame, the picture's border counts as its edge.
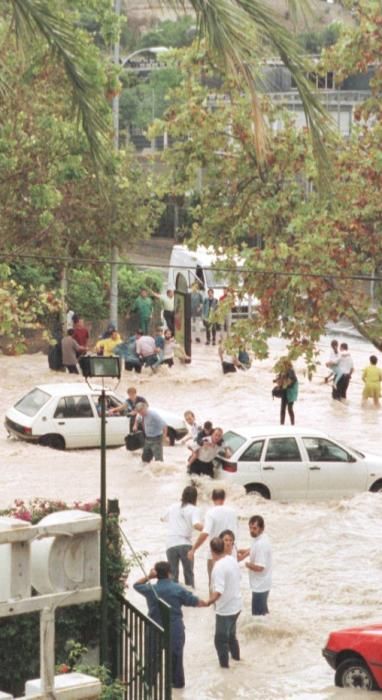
(283, 469)
(117, 425)
(249, 465)
(333, 471)
(75, 419)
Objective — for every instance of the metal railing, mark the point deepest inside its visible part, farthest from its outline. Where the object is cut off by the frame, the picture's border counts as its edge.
(145, 654)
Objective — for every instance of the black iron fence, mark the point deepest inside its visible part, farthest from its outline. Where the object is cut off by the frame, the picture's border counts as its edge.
(145, 654)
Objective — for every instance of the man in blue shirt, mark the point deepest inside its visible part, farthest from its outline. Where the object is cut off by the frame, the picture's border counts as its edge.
(175, 596)
(154, 429)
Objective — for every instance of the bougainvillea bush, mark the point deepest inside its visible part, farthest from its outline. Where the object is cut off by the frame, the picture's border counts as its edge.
(19, 635)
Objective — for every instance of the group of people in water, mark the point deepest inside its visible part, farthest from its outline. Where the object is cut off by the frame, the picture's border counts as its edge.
(219, 527)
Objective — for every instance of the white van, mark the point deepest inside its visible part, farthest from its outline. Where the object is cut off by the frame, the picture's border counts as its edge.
(190, 266)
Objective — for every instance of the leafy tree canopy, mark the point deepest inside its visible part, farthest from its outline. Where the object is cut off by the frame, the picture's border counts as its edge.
(305, 258)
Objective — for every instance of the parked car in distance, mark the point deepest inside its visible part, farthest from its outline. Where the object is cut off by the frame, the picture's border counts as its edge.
(356, 656)
(286, 462)
(66, 416)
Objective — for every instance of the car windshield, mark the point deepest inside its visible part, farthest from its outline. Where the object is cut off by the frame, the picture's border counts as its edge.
(233, 441)
(32, 402)
(350, 448)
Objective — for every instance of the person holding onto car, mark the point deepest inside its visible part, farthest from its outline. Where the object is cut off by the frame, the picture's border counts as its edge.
(128, 408)
(202, 458)
(154, 428)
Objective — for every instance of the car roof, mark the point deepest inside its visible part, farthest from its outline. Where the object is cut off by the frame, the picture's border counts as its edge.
(68, 387)
(276, 431)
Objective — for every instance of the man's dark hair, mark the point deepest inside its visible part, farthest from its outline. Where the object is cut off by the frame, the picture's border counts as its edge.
(257, 520)
(139, 332)
(163, 569)
(373, 359)
(70, 331)
(218, 495)
(76, 318)
(217, 545)
(207, 425)
(189, 495)
(344, 346)
(227, 532)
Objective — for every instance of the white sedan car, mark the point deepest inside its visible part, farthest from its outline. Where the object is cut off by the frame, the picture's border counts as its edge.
(66, 415)
(297, 463)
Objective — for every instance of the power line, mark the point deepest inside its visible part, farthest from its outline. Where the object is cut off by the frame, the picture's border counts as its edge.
(238, 270)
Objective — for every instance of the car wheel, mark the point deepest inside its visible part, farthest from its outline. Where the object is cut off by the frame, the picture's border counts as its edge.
(377, 487)
(56, 442)
(354, 673)
(259, 489)
(171, 434)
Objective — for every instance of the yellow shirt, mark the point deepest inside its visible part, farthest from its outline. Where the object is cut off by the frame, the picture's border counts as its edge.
(372, 375)
(108, 345)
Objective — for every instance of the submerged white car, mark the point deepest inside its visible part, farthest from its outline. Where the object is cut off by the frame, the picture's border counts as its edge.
(66, 416)
(285, 462)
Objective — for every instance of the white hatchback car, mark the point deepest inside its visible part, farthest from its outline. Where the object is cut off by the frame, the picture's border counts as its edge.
(285, 462)
(65, 415)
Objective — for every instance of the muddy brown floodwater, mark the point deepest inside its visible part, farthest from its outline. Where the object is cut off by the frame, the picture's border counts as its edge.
(327, 555)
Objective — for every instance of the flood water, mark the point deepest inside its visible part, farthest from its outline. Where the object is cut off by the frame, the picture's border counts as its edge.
(327, 555)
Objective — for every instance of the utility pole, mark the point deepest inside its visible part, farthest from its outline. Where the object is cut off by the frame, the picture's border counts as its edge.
(114, 251)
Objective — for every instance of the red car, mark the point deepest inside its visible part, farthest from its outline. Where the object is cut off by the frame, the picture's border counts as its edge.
(356, 656)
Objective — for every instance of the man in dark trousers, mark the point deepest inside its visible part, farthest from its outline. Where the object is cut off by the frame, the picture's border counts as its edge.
(175, 596)
(225, 585)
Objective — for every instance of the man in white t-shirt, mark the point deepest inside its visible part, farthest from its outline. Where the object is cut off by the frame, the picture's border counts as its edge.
(259, 565)
(218, 518)
(225, 595)
(182, 518)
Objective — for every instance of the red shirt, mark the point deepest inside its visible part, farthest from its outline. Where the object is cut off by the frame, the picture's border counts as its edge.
(81, 335)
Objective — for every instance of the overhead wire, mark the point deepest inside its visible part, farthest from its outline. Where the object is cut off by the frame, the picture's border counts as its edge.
(164, 266)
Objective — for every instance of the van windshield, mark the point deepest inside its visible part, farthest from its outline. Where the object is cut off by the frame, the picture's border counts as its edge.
(32, 402)
(215, 278)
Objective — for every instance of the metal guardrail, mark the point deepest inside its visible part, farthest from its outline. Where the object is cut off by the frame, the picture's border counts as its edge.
(145, 654)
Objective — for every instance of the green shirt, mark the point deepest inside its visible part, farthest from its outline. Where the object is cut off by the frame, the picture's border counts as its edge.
(144, 307)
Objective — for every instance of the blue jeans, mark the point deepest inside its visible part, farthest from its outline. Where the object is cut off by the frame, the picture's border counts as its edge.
(260, 603)
(179, 554)
(225, 638)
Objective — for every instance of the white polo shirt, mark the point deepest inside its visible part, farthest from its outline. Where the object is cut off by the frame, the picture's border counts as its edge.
(181, 520)
(219, 518)
(225, 579)
(261, 554)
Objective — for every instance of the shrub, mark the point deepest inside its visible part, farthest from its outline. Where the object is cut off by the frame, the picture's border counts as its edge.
(19, 635)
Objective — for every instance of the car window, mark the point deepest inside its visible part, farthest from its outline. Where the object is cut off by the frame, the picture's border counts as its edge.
(253, 452)
(283, 450)
(233, 441)
(323, 450)
(32, 402)
(111, 402)
(74, 407)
